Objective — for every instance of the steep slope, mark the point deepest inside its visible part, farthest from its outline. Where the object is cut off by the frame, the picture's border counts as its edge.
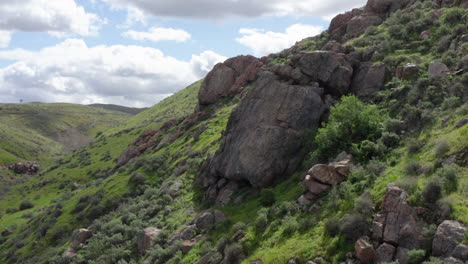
(192, 181)
(119, 108)
(41, 132)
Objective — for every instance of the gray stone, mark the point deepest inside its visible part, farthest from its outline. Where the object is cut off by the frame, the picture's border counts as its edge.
(437, 70)
(264, 133)
(402, 255)
(369, 79)
(451, 260)
(326, 67)
(384, 253)
(314, 186)
(461, 252)
(81, 236)
(448, 235)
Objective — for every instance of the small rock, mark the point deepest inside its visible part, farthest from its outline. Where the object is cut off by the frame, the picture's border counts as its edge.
(409, 70)
(326, 174)
(384, 253)
(313, 186)
(364, 250)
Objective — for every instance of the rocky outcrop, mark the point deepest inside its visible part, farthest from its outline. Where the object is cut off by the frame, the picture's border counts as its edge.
(369, 79)
(138, 146)
(330, 69)
(448, 236)
(384, 253)
(358, 24)
(29, 168)
(264, 133)
(146, 238)
(227, 79)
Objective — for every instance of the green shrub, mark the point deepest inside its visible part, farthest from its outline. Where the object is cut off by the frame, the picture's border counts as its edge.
(413, 168)
(414, 146)
(390, 139)
(448, 176)
(433, 260)
(290, 226)
(354, 226)
(26, 205)
(416, 256)
(432, 192)
(350, 122)
(234, 253)
(441, 148)
(453, 16)
(267, 197)
(332, 227)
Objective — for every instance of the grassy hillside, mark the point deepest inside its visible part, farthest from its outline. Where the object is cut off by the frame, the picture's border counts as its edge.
(41, 132)
(417, 145)
(119, 108)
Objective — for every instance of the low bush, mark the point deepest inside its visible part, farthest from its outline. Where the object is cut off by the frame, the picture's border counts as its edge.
(25, 205)
(267, 197)
(416, 256)
(431, 192)
(412, 168)
(441, 148)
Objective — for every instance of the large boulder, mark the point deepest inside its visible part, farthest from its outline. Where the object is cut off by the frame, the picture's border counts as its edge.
(339, 24)
(146, 238)
(369, 79)
(329, 174)
(315, 187)
(227, 79)
(207, 219)
(461, 252)
(384, 7)
(400, 226)
(264, 133)
(364, 250)
(328, 68)
(448, 235)
(437, 70)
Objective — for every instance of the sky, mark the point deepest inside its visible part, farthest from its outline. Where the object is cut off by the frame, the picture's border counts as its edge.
(138, 52)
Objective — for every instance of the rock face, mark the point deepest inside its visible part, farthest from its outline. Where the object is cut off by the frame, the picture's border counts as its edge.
(364, 250)
(384, 253)
(30, 168)
(328, 68)
(369, 79)
(227, 79)
(264, 133)
(449, 234)
(146, 238)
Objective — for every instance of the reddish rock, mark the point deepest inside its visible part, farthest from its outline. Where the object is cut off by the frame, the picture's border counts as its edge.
(409, 70)
(364, 250)
(334, 46)
(384, 253)
(138, 146)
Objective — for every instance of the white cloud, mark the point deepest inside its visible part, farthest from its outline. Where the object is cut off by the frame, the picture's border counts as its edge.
(220, 9)
(73, 72)
(159, 34)
(54, 16)
(263, 43)
(5, 38)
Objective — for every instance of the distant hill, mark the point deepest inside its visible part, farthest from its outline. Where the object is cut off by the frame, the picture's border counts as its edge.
(120, 108)
(39, 131)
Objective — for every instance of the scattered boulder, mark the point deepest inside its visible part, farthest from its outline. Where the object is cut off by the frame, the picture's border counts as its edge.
(227, 79)
(409, 70)
(146, 238)
(264, 133)
(384, 253)
(329, 68)
(80, 237)
(315, 187)
(29, 168)
(364, 250)
(331, 174)
(437, 70)
(369, 79)
(138, 146)
(448, 235)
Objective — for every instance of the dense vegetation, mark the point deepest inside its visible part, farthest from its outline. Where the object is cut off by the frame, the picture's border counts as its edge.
(407, 134)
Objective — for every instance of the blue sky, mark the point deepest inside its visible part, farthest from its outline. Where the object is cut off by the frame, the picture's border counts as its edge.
(137, 52)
